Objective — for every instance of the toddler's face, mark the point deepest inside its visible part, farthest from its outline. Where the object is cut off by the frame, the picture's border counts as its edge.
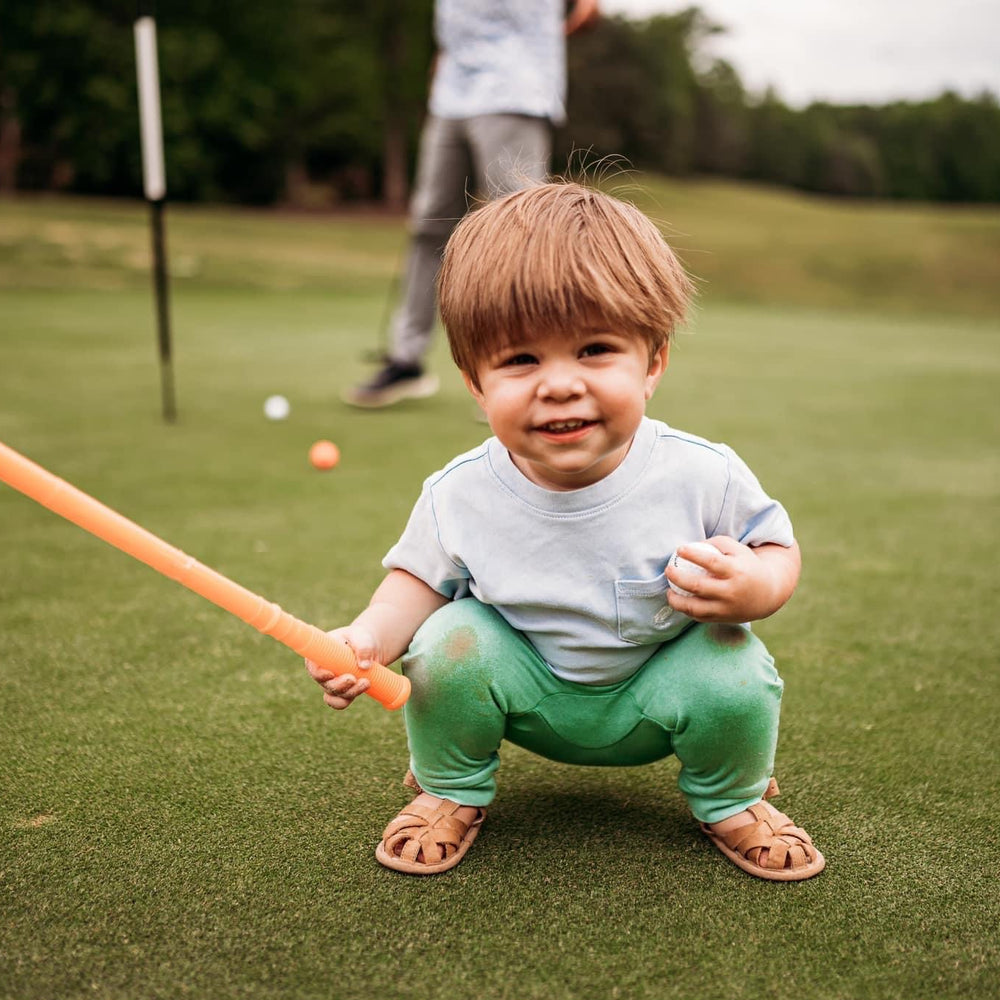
(567, 406)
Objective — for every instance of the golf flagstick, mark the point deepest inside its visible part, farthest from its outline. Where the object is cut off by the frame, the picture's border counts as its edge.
(387, 688)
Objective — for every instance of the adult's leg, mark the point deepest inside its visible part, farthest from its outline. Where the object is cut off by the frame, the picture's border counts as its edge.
(444, 178)
(510, 152)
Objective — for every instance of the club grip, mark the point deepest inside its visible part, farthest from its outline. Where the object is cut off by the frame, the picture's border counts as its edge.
(389, 689)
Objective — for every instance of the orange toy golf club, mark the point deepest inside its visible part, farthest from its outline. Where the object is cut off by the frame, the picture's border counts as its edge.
(388, 688)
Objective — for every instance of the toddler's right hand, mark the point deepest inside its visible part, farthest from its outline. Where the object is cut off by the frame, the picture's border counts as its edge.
(339, 691)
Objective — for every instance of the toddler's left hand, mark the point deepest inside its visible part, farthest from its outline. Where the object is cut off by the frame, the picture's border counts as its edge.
(742, 584)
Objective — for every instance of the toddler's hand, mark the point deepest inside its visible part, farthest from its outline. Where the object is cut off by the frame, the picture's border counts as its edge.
(738, 586)
(340, 691)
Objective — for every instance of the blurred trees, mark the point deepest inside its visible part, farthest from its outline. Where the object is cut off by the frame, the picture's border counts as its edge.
(646, 91)
(260, 100)
(313, 101)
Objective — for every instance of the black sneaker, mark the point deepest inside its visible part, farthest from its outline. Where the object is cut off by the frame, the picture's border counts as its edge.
(393, 383)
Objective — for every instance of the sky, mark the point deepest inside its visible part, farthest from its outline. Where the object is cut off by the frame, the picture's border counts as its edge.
(851, 51)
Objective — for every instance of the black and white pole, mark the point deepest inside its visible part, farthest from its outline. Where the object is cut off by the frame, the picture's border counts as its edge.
(154, 182)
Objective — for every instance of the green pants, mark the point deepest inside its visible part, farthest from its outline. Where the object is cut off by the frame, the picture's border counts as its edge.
(710, 696)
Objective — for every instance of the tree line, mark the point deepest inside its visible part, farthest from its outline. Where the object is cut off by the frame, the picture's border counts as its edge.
(316, 101)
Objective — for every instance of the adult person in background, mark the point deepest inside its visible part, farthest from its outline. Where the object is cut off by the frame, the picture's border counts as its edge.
(498, 89)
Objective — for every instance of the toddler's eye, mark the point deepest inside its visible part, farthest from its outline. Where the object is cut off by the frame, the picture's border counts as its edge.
(592, 350)
(518, 359)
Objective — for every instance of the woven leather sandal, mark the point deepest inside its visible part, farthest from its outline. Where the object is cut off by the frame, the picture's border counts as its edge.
(791, 855)
(425, 839)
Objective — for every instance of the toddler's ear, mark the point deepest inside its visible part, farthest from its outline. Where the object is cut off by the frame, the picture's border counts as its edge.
(477, 393)
(657, 366)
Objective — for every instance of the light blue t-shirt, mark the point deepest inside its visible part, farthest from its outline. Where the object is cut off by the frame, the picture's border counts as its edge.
(581, 573)
(499, 57)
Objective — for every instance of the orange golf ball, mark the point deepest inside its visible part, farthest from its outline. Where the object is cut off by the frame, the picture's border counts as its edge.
(324, 455)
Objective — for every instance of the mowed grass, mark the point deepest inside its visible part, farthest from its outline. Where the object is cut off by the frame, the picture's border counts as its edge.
(181, 816)
(748, 244)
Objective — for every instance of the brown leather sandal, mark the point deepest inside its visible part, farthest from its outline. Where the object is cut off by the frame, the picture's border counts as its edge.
(425, 839)
(791, 855)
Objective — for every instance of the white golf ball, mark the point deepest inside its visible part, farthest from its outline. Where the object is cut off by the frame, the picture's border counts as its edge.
(679, 562)
(276, 408)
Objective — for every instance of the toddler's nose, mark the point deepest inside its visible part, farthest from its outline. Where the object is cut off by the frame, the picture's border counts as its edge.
(561, 382)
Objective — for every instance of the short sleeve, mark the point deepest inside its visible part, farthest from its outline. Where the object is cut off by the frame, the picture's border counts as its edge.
(748, 514)
(419, 551)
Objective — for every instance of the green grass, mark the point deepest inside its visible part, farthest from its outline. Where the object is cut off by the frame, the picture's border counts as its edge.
(181, 816)
(762, 245)
(745, 244)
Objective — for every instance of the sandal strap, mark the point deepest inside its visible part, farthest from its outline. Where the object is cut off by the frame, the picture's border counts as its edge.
(435, 845)
(429, 830)
(785, 842)
(432, 814)
(445, 826)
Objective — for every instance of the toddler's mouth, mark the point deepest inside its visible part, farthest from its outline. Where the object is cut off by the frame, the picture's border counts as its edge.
(564, 426)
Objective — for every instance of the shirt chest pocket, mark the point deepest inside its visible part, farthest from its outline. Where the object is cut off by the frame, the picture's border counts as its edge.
(644, 617)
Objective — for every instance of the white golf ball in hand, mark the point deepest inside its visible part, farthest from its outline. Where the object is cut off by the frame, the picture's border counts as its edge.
(678, 562)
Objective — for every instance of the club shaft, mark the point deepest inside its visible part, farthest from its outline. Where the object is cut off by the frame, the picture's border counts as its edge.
(388, 688)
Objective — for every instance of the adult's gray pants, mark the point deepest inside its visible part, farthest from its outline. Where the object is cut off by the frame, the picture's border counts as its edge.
(487, 156)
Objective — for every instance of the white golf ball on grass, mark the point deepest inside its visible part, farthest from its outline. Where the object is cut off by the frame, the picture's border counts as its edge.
(276, 408)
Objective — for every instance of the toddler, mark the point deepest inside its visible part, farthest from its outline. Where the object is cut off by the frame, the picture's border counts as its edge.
(529, 594)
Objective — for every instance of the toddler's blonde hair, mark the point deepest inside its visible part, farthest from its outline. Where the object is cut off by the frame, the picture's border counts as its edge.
(557, 257)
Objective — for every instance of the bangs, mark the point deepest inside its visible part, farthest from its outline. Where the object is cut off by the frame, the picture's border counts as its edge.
(557, 257)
